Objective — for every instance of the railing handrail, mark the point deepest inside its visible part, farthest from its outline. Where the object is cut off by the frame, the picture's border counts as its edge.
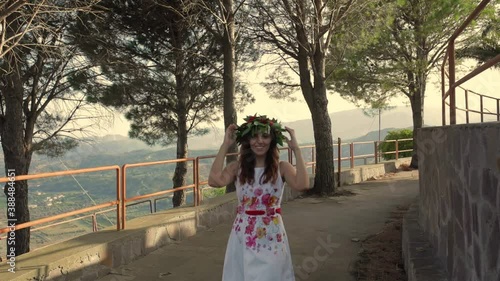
(74, 212)
(452, 84)
(470, 91)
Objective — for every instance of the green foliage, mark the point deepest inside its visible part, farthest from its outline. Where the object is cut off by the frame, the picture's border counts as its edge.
(260, 124)
(56, 146)
(165, 72)
(391, 146)
(485, 44)
(46, 64)
(393, 56)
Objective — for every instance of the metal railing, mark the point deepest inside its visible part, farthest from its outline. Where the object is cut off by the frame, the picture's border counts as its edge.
(452, 84)
(122, 201)
(116, 202)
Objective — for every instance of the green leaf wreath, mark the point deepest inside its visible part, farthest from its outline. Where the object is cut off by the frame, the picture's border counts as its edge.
(260, 124)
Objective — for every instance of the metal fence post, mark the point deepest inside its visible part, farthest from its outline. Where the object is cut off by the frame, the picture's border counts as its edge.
(352, 154)
(339, 159)
(397, 150)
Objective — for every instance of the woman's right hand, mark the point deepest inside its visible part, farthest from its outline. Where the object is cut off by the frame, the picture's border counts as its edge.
(230, 137)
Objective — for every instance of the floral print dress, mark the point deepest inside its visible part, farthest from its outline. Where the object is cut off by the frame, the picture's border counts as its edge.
(258, 247)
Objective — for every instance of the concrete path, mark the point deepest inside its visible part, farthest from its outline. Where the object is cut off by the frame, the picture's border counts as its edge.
(320, 231)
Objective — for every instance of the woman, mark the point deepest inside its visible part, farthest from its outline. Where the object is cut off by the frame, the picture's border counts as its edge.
(258, 247)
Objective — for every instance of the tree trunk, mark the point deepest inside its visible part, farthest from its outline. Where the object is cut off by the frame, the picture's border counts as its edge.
(417, 108)
(179, 178)
(178, 39)
(324, 180)
(230, 116)
(17, 159)
(317, 101)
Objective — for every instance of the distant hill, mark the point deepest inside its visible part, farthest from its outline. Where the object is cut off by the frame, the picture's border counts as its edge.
(112, 144)
(373, 135)
(349, 124)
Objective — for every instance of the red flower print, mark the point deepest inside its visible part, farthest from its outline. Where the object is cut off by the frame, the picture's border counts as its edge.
(266, 220)
(258, 192)
(252, 220)
(251, 241)
(249, 229)
(255, 203)
(265, 199)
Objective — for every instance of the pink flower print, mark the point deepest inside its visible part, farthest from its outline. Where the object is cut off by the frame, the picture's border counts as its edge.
(261, 232)
(271, 212)
(258, 192)
(251, 241)
(265, 199)
(266, 220)
(249, 229)
(245, 200)
(279, 238)
(239, 209)
(270, 238)
(255, 203)
(252, 220)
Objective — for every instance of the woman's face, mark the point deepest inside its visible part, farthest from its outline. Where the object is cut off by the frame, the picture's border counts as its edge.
(260, 143)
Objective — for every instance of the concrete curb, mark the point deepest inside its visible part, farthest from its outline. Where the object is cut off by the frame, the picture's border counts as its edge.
(365, 172)
(420, 262)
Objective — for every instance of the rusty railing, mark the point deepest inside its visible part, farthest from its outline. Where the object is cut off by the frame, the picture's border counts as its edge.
(452, 84)
(116, 202)
(122, 201)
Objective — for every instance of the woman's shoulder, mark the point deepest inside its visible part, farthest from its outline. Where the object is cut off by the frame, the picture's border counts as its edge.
(284, 164)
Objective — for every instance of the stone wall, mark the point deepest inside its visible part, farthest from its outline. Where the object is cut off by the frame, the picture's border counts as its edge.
(459, 206)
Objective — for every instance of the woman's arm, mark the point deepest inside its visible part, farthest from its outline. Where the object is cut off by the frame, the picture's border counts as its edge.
(220, 176)
(296, 177)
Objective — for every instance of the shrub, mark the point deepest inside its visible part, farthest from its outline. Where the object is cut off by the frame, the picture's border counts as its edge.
(391, 146)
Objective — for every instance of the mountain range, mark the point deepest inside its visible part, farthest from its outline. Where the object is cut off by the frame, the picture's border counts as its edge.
(348, 125)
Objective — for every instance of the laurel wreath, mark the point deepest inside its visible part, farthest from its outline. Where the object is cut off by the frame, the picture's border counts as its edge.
(260, 124)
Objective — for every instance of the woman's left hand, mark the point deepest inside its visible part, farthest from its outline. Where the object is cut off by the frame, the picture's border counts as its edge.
(292, 142)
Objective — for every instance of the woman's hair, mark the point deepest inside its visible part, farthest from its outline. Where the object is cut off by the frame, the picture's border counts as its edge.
(247, 161)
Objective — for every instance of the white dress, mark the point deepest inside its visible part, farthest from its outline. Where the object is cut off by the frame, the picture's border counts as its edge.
(258, 248)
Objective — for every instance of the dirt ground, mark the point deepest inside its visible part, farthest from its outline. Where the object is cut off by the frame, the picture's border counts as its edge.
(381, 258)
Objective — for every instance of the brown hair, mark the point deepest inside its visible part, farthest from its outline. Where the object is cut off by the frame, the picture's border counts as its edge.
(247, 162)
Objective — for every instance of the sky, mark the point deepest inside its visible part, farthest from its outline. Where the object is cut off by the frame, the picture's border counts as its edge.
(487, 83)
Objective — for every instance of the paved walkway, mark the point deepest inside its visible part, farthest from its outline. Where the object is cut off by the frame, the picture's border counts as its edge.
(320, 231)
